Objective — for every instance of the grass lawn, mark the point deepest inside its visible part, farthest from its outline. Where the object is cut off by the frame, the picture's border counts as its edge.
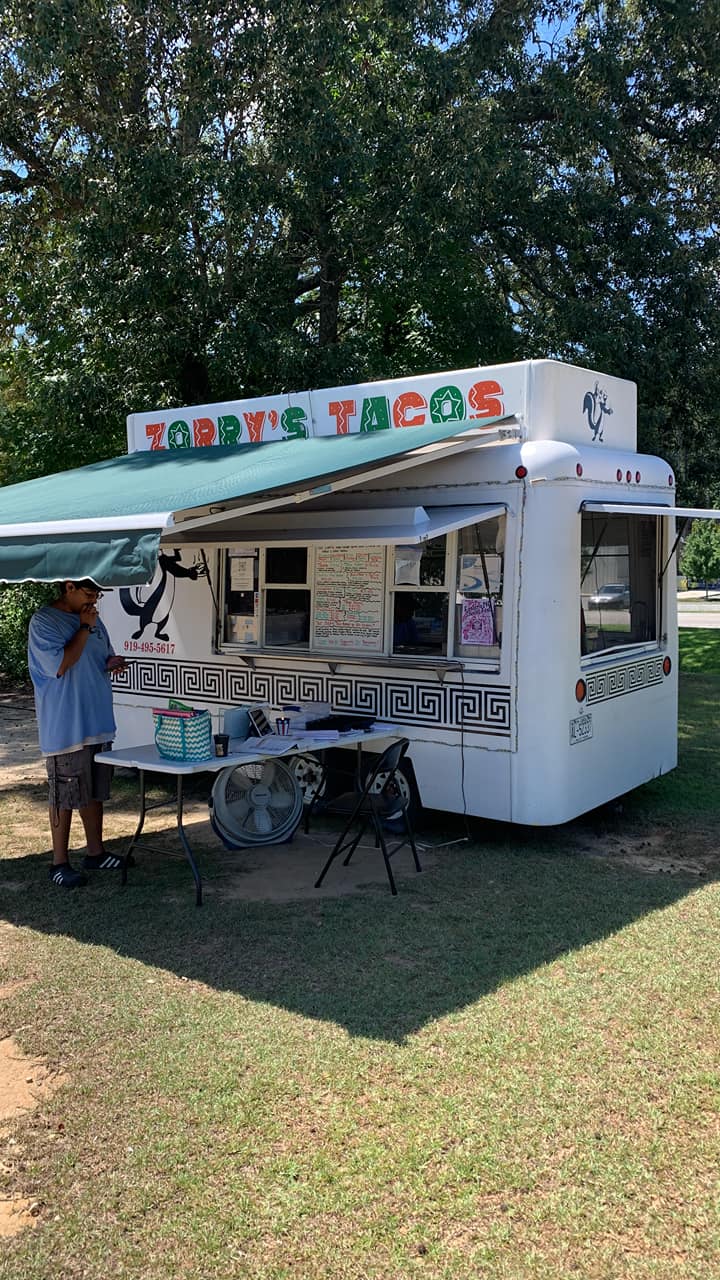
(700, 649)
(509, 1071)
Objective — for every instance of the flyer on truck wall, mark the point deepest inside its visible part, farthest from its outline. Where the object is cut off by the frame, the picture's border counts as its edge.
(349, 598)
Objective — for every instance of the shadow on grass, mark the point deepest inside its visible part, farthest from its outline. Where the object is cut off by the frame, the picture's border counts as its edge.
(382, 967)
(481, 915)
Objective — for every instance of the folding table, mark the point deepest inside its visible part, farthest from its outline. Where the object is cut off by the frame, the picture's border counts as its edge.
(147, 759)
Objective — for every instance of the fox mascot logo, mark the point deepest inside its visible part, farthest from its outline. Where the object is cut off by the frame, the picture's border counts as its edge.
(155, 608)
(595, 407)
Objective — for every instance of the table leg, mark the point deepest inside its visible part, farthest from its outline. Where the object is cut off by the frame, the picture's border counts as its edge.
(160, 804)
(185, 842)
(138, 829)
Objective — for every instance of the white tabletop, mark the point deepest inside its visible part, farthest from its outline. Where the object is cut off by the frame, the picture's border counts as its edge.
(148, 757)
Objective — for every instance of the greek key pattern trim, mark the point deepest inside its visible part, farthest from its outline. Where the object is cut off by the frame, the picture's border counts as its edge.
(481, 709)
(616, 681)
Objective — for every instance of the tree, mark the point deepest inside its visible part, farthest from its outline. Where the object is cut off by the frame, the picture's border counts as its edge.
(700, 561)
(202, 199)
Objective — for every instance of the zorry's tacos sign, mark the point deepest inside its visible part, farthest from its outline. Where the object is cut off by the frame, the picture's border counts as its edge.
(553, 401)
(374, 406)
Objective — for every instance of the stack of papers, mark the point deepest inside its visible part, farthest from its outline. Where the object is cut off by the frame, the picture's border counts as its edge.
(268, 744)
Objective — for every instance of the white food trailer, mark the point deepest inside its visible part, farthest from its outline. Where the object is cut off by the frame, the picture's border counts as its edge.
(480, 557)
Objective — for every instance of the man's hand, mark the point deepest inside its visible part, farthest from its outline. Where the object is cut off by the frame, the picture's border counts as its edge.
(89, 614)
(116, 664)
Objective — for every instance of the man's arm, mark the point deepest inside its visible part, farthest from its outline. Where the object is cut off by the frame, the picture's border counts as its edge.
(75, 648)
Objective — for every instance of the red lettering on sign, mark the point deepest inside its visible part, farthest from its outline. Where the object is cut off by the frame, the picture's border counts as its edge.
(203, 432)
(482, 398)
(342, 411)
(273, 418)
(155, 432)
(403, 407)
(255, 422)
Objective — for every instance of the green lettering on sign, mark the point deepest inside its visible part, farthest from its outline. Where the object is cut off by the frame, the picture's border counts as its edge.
(447, 405)
(294, 424)
(230, 428)
(375, 414)
(178, 436)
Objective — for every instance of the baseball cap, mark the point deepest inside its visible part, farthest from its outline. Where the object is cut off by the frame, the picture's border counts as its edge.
(88, 585)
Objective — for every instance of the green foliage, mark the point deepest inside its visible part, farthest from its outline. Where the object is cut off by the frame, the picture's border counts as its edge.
(700, 559)
(201, 200)
(17, 605)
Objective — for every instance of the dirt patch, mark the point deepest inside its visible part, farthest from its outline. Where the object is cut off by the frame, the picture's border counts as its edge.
(24, 1083)
(19, 752)
(287, 872)
(16, 1214)
(660, 852)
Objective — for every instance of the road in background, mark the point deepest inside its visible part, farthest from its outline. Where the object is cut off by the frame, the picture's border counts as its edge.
(695, 611)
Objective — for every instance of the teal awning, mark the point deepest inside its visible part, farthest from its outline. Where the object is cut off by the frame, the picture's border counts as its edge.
(105, 521)
(112, 559)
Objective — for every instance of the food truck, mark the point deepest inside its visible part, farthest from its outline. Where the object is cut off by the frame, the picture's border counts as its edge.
(481, 558)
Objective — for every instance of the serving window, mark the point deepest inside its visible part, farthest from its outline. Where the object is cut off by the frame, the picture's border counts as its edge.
(287, 596)
(433, 598)
(619, 591)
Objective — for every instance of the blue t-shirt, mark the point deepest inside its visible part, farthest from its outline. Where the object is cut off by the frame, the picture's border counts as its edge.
(76, 708)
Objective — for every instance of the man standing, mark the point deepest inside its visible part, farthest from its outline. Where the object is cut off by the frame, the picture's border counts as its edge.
(71, 662)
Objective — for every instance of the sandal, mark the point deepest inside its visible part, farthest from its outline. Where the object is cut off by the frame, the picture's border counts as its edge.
(102, 862)
(66, 876)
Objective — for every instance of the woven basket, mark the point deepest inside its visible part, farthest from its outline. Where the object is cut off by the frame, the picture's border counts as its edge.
(183, 735)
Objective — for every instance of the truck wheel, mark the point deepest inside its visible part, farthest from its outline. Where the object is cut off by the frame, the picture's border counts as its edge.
(309, 774)
(408, 788)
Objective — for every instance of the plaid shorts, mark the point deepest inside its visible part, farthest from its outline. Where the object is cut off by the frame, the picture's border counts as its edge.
(76, 779)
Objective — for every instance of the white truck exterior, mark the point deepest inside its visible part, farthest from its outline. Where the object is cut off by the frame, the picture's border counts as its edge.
(527, 698)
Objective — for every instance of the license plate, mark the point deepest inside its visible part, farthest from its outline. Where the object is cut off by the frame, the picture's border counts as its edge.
(580, 729)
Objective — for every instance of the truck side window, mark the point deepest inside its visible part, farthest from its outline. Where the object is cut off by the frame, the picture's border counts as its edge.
(619, 581)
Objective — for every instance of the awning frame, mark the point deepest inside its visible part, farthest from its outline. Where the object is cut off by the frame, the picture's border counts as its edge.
(378, 526)
(683, 514)
(650, 509)
(186, 521)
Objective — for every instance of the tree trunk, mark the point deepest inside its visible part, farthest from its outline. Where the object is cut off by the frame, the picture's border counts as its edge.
(329, 298)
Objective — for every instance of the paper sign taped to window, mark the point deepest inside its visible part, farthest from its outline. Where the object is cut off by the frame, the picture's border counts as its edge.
(241, 573)
(407, 566)
(476, 622)
(472, 573)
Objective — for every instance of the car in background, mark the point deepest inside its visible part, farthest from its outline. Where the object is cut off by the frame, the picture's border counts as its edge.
(614, 595)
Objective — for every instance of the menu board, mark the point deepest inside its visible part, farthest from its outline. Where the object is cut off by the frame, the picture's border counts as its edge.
(349, 598)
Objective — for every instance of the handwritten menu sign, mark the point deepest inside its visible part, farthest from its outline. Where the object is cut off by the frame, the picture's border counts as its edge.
(349, 597)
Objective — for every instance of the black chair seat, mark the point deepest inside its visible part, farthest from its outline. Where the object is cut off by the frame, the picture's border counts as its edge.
(352, 800)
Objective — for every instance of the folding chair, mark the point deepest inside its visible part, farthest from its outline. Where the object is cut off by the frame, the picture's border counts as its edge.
(380, 800)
